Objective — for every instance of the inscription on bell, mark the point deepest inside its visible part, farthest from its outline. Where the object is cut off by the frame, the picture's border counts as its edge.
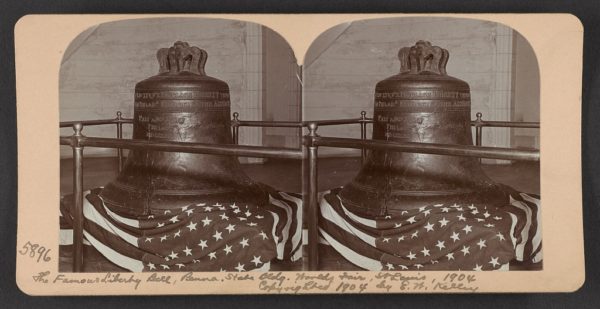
(181, 95)
(424, 94)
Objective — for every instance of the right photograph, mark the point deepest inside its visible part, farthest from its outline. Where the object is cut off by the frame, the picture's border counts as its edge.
(422, 147)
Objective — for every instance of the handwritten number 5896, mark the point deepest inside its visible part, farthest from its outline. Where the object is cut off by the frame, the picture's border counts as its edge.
(34, 250)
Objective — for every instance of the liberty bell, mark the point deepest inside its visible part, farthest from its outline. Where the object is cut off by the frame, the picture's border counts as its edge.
(180, 104)
(420, 104)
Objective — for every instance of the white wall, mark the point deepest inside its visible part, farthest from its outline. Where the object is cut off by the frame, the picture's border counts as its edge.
(343, 66)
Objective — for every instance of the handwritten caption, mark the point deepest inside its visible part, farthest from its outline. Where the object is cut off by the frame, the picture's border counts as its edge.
(284, 282)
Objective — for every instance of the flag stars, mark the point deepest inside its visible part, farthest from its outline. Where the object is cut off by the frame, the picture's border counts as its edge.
(497, 218)
(256, 260)
(401, 238)
(477, 267)
(389, 266)
(465, 250)
(244, 243)
(208, 209)
(440, 244)
(160, 224)
(494, 261)
(429, 227)
(418, 266)
(187, 251)
(237, 211)
(264, 235)
(177, 234)
(173, 255)
(192, 226)
(217, 235)
(397, 225)
(500, 236)
(388, 217)
(386, 240)
(259, 217)
(252, 224)
(445, 209)
(411, 219)
(206, 221)
(475, 211)
(224, 216)
(486, 214)
(148, 239)
(212, 255)
(443, 222)
(180, 265)
(164, 266)
(166, 212)
(421, 209)
(489, 225)
(189, 212)
(411, 256)
(240, 267)
(481, 244)
(427, 212)
(248, 213)
(455, 236)
(200, 204)
(425, 251)
(174, 219)
(414, 235)
(151, 266)
(184, 208)
(151, 217)
(202, 244)
(461, 217)
(163, 238)
(467, 229)
(227, 249)
(450, 256)
(230, 228)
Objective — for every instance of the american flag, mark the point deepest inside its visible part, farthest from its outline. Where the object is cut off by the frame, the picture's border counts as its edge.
(204, 236)
(454, 236)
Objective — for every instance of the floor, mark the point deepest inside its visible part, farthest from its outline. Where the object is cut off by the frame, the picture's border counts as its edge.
(283, 175)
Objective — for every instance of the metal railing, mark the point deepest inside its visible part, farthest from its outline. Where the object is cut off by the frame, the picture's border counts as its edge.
(311, 142)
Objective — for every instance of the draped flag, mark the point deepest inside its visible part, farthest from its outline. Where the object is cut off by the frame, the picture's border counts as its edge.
(453, 236)
(205, 236)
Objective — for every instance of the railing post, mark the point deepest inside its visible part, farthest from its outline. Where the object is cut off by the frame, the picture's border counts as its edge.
(77, 210)
(312, 197)
(120, 136)
(235, 127)
(478, 128)
(363, 134)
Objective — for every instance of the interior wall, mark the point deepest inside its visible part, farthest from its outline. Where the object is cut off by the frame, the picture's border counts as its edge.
(526, 98)
(282, 91)
(343, 66)
(101, 67)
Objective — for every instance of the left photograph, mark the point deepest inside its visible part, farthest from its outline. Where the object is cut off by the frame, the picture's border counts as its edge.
(182, 148)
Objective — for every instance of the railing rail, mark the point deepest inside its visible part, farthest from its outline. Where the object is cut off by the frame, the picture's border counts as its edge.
(311, 141)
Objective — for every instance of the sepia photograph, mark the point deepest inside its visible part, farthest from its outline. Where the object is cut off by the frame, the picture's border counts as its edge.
(467, 100)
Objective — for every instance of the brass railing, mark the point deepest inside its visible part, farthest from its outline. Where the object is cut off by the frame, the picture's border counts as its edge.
(311, 142)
